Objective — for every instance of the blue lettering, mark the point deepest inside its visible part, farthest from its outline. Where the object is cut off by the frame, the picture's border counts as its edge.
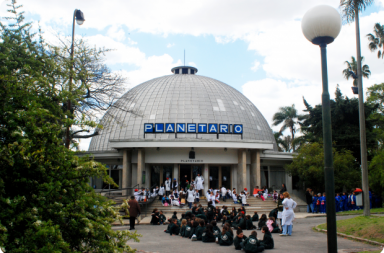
(202, 128)
(191, 128)
(169, 128)
(148, 128)
(224, 128)
(180, 127)
(159, 128)
(212, 128)
(238, 129)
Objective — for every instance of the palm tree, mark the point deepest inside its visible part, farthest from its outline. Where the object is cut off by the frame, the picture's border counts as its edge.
(350, 10)
(278, 139)
(377, 40)
(352, 67)
(289, 117)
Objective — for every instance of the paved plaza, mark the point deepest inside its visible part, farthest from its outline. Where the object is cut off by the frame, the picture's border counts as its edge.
(303, 239)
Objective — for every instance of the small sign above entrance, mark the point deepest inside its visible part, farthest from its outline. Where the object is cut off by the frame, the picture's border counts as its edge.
(191, 161)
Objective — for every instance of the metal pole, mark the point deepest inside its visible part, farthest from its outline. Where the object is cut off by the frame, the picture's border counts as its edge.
(67, 139)
(328, 156)
(363, 141)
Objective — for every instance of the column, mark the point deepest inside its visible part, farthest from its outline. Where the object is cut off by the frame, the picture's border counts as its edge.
(148, 176)
(140, 166)
(161, 176)
(233, 176)
(176, 172)
(253, 170)
(126, 174)
(269, 176)
(241, 170)
(206, 178)
(220, 178)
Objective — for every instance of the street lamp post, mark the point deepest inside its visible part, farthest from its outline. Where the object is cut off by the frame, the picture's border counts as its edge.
(321, 25)
(79, 17)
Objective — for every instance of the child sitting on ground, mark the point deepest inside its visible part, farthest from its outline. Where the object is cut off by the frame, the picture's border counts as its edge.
(162, 218)
(208, 234)
(215, 228)
(262, 221)
(200, 230)
(267, 241)
(226, 238)
(255, 216)
(188, 229)
(183, 227)
(248, 223)
(239, 239)
(271, 224)
(252, 244)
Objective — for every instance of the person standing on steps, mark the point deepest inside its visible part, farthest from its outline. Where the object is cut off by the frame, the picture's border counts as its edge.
(283, 189)
(134, 212)
(308, 198)
(199, 181)
(167, 186)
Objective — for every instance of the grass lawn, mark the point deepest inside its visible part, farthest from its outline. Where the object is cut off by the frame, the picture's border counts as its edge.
(371, 228)
(373, 210)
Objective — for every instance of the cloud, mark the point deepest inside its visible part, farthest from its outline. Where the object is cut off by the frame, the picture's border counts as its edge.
(255, 66)
(116, 33)
(169, 45)
(191, 63)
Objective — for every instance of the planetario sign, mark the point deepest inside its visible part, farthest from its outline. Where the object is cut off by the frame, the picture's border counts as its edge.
(201, 128)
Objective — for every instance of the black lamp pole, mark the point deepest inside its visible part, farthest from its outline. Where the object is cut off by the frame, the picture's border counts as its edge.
(77, 14)
(328, 156)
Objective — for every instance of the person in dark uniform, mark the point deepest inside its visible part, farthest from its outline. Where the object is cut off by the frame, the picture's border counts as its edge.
(200, 230)
(267, 241)
(252, 245)
(134, 212)
(215, 228)
(208, 234)
(248, 223)
(255, 217)
(308, 198)
(226, 238)
(239, 239)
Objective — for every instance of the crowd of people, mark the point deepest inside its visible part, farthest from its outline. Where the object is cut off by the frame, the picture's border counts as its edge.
(345, 201)
(202, 224)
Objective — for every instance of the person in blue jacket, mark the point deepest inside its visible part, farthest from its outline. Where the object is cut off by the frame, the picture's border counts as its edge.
(345, 201)
(337, 201)
(353, 201)
(323, 204)
(314, 204)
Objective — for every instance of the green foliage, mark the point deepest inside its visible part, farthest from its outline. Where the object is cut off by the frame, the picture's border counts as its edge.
(46, 203)
(376, 40)
(349, 7)
(345, 124)
(376, 173)
(352, 66)
(308, 165)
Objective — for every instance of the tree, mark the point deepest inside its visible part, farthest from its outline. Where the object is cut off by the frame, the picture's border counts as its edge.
(289, 117)
(345, 124)
(352, 67)
(376, 172)
(46, 202)
(376, 40)
(308, 166)
(375, 97)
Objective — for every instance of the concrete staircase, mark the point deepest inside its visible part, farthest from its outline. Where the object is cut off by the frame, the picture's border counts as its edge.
(255, 204)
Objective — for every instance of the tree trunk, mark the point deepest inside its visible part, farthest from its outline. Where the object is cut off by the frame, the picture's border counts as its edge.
(293, 136)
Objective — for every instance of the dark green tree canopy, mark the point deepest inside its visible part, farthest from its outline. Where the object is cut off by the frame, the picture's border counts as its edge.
(345, 124)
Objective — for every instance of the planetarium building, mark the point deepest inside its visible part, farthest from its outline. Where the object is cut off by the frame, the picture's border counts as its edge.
(183, 125)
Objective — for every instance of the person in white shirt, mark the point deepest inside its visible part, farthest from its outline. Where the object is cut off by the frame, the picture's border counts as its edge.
(212, 199)
(223, 193)
(199, 181)
(190, 196)
(161, 192)
(167, 186)
(265, 192)
(217, 198)
(207, 194)
(229, 192)
(137, 195)
(234, 197)
(243, 198)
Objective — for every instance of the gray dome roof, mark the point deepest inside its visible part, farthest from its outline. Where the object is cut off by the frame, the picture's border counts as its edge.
(181, 98)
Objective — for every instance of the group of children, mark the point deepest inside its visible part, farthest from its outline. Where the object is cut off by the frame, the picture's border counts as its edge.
(343, 201)
(201, 225)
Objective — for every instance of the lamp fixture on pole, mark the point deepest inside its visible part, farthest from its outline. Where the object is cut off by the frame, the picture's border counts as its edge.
(78, 15)
(321, 25)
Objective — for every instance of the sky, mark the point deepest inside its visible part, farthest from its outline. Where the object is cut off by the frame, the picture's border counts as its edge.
(255, 46)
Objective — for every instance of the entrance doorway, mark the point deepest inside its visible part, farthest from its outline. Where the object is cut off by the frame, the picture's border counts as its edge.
(214, 177)
(185, 174)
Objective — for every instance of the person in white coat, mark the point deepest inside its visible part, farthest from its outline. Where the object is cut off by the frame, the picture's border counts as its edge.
(199, 181)
(288, 214)
(212, 198)
(190, 197)
(167, 186)
(243, 198)
(223, 193)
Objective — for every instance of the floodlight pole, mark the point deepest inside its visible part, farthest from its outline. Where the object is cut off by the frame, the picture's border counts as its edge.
(328, 156)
